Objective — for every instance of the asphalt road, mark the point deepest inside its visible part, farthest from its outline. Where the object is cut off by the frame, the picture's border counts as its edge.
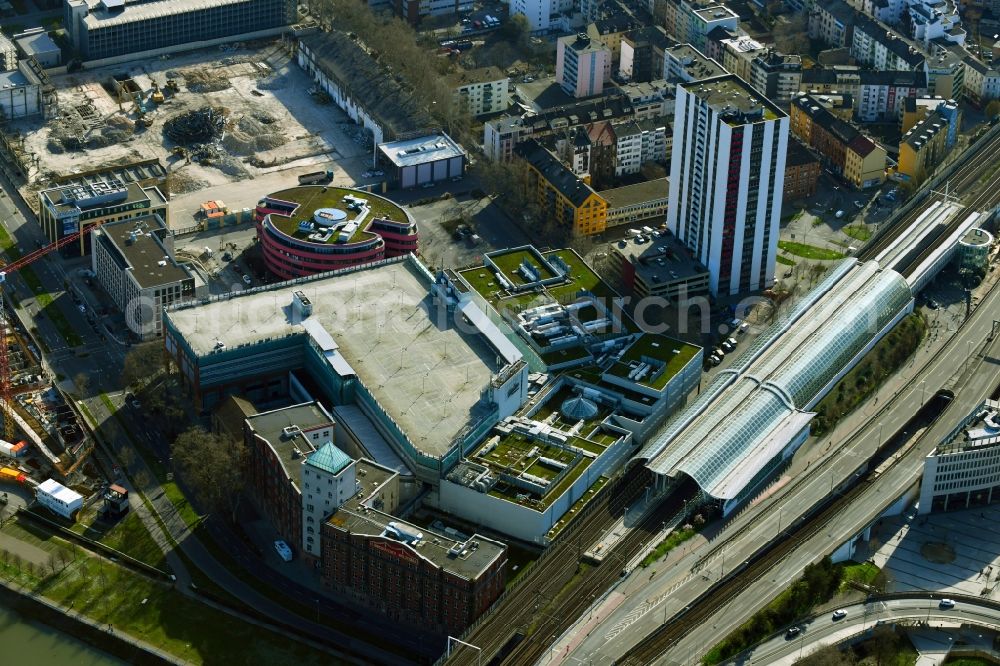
(781, 650)
(649, 602)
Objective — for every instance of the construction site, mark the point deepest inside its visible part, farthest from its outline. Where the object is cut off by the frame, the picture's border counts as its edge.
(215, 118)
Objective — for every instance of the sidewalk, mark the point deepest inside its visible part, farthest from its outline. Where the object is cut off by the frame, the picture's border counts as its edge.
(26, 551)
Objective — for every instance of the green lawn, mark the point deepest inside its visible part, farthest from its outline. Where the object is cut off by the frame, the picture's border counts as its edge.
(809, 251)
(785, 260)
(858, 232)
(508, 262)
(674, 353)
(674, 539)
(156, 613)
(129, 535)
(863, 573)
(311, 198)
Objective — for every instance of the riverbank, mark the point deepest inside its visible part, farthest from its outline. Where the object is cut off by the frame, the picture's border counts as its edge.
(103, 637)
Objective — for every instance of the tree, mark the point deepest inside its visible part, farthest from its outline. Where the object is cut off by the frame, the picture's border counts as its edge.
(516, 31)
(993, 108)
(652, 171)
(829, 655)
(211, 468)
(142, 363)
(82, 382)
(884, 644)
(791, 33)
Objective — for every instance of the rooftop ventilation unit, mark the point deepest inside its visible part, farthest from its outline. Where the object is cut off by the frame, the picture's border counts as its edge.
(290, 431)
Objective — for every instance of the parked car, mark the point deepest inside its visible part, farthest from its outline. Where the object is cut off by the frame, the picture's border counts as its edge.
(247, 281)
(726, 346)
(283, 550)
(733, 341)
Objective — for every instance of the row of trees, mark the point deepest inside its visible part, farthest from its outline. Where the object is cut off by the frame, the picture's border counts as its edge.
(818, 584)
(397, 47)
(884, 359)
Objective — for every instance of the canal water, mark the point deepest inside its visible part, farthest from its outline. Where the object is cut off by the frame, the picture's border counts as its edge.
(30, 643)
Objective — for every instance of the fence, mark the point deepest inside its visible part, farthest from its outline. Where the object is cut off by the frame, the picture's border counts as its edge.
(90, 544)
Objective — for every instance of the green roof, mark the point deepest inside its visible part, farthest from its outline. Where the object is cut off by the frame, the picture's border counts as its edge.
(313, 197)
(330, 459)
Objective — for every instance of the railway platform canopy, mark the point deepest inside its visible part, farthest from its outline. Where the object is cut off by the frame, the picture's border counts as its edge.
(756, 413)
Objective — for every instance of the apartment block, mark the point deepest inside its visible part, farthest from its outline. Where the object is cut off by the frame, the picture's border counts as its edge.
(923, 147)
(802, 172)
(845, 150)
(412, 11)
(568, 199)
(726, 178)
(777, 75)
(482, 91)
(583, 65)
(876, 95)
(641, 141)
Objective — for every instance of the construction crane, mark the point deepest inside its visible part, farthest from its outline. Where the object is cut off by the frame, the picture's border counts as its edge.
(6, 397)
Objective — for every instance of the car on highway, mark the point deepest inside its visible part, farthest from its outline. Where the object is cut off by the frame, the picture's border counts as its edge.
(946, 603)
(839, 614)
(247, 281)
(793, 632)
(283, 549)
(82, 307)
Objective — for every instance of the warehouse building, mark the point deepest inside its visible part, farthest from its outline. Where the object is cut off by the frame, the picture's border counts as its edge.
(101, 29)
(422, 161)
(362, 87)
(337, 513)
(36, 43)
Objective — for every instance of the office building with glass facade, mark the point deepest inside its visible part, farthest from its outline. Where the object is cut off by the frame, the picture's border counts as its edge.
(101, 29)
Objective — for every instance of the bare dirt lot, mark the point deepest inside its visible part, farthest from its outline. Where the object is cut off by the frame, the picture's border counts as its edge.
(266, 130)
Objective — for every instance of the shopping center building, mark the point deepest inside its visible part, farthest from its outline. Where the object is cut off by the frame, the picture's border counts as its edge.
(511, 391)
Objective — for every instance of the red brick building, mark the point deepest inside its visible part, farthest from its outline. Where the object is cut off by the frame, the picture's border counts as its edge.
(802, 171)
(424, 579)
(277, 443)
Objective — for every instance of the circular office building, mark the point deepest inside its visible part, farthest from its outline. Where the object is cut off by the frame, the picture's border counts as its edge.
(314, 229)
(973, 251)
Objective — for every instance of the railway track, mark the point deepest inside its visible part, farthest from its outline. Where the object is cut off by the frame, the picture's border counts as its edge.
(964, 178)
(719, 595)
(986, 196)
(513, 614)
(518, 630)
(596, 583)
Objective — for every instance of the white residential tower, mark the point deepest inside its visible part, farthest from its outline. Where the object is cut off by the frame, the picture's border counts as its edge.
(727, 172)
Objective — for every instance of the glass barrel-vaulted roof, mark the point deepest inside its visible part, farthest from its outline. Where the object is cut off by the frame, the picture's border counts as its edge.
(727, 434)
